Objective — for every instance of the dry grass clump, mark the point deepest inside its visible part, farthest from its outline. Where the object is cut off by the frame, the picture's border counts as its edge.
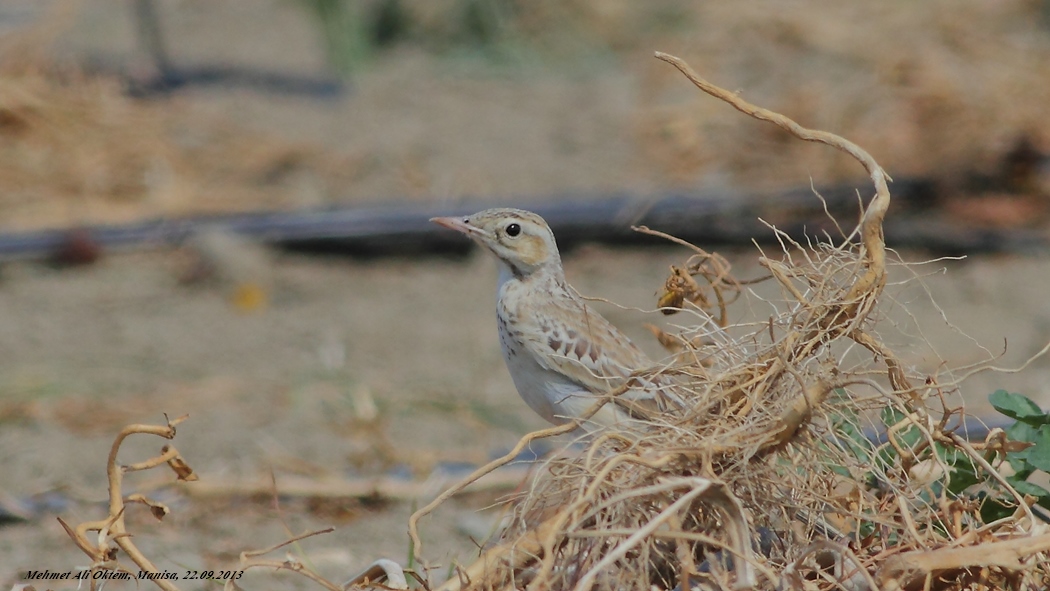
(75, 149)
(770, 481)
(950, 90)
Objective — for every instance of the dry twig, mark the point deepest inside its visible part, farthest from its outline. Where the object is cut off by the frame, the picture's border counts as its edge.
(112, 532)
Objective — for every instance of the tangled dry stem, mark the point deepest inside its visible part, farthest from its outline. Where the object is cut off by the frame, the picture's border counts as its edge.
(104, 548)
(764, 458)
(112, 531)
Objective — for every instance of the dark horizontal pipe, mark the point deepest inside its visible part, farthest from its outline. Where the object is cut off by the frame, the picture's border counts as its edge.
(705, 218)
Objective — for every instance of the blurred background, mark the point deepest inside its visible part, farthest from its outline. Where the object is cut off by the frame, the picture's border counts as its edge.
(181, 185)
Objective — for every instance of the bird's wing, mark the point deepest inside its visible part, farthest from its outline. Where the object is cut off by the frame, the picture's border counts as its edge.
(570, 338)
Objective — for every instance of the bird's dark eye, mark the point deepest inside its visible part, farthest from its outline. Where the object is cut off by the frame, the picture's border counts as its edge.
(513, 230)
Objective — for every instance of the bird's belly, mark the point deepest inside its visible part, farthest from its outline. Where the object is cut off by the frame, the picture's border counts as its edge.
(538, 387)
(553, 396)
(550, 394)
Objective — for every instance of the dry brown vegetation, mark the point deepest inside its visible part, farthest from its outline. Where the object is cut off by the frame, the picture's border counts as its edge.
(75, 149)
(938, 89)
(768, 451)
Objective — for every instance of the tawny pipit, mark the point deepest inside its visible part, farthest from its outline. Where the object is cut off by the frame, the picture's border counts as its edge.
(562, 355)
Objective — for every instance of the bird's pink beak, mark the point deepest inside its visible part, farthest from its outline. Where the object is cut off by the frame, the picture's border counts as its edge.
(458, 224)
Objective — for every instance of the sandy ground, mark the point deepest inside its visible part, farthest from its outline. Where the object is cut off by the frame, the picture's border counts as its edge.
(85, 351)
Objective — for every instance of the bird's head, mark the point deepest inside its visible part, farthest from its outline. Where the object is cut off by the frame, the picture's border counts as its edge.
(521, 239)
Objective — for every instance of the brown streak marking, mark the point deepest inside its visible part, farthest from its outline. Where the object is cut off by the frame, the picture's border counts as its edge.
(581, 348)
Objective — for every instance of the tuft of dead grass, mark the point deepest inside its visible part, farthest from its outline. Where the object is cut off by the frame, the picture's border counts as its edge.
(793, 469)
(951, 88)
(75, 149)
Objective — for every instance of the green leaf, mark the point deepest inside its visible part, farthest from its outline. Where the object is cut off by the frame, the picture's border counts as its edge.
(1019, 459)
(1039, 454)
(890, 416)
(1027, 488)
(840, 394)
(993, 510)
(1019, 407)
(964, 475)
(903, 437)
(1021, 432)
(866, 529)
(949, 455)
(840, 470)
(886, 458)
(853, 439)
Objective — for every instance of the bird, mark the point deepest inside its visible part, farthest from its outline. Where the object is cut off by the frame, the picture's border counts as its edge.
(562, 355)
